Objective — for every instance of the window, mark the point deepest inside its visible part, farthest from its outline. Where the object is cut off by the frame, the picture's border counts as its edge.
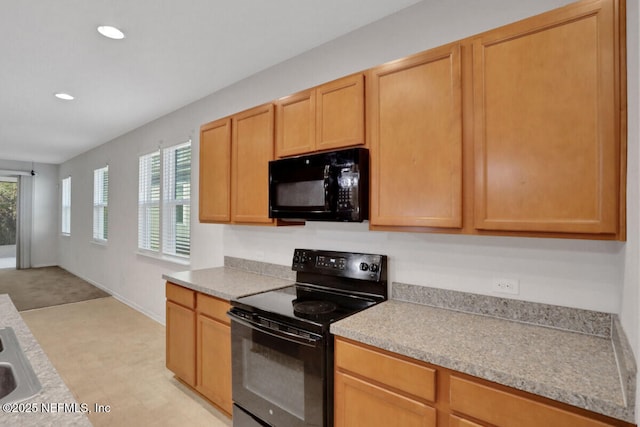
(100, 203)
(66, 206)
(164, 201)
(149, 202)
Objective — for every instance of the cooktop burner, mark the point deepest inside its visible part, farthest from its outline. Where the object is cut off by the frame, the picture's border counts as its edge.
(314, 308)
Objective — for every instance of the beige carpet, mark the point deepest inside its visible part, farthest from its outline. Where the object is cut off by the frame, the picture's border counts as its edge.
(45, 287)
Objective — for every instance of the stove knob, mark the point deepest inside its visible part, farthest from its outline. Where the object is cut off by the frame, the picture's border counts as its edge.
(364, 266)
(374, 268)
(296, 259)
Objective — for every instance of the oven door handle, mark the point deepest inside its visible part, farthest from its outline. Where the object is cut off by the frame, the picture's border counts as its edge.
(309, 342)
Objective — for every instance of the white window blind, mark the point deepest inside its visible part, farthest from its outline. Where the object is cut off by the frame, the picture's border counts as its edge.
(66, 206)
(100, 203)
(149, 202)
(176, 212)
(164, 201)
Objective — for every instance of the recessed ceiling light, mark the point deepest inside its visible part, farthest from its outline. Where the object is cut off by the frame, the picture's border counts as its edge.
(65, 96)
(111, 32)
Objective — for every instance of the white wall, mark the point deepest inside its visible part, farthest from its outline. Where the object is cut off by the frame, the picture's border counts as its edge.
(116, 267)
(586, 274)
(44, 233)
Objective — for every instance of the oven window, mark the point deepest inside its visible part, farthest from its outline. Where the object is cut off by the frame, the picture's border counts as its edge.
(275, 376)
(300, 193)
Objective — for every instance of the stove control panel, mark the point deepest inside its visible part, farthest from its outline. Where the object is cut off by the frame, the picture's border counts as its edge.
(331, 262)
(340, 264)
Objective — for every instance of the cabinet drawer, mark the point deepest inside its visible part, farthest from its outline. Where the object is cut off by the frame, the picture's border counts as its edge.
(213, 307)
(504, 409)
(180, 295)
(405, 376)
(361, 404)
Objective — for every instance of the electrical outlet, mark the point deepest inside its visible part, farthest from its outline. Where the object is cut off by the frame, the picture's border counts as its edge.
(506, 286)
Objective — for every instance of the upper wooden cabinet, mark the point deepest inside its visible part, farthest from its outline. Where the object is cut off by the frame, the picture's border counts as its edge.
(234, 167)
(414, 115)
(326, 117)
(517, 131)
(296, 124)
(252, 148)
(547, 130)
(215, 171)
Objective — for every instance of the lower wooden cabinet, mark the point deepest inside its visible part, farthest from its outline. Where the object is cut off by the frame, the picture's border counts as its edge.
(213, 352)
(181, 333)
(199, 343)
(374, 387)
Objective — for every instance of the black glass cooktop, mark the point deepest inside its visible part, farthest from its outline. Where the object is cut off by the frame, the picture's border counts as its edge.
(304, 305)
(329, 286)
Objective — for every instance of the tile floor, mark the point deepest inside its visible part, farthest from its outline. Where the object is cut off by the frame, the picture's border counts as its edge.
(110, 354)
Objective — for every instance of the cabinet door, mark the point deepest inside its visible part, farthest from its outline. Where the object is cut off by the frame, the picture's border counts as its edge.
(215, 171)
(296, 128)
(546, 146)
(415, 119)
(340, 113)
(359, 403)
(252, 143)
(214, 362)
(181, 342)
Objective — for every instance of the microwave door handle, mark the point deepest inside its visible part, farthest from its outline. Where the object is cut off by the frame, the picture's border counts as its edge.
(327, 183)
(309, 342)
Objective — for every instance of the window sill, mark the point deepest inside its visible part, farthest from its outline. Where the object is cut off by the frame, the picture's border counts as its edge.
(162, 257)
(99, 242)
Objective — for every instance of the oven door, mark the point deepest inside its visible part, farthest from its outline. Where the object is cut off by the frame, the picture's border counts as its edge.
(277, 376)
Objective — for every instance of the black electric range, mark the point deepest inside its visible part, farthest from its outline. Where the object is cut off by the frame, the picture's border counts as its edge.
(282, 349)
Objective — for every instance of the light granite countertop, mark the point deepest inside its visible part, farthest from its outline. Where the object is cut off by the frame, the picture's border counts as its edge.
(570, 367)
(55, 395)
(225, 282)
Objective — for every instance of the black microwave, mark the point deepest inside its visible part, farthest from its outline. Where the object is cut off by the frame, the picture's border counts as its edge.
(331, 186)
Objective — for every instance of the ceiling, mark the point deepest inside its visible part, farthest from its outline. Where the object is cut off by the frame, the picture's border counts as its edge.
(174, 53)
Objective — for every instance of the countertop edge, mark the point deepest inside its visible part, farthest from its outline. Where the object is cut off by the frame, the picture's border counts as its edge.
(241, 282)
(194, 287)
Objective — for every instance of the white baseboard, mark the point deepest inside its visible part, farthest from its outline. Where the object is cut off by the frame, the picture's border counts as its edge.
(121, 298)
